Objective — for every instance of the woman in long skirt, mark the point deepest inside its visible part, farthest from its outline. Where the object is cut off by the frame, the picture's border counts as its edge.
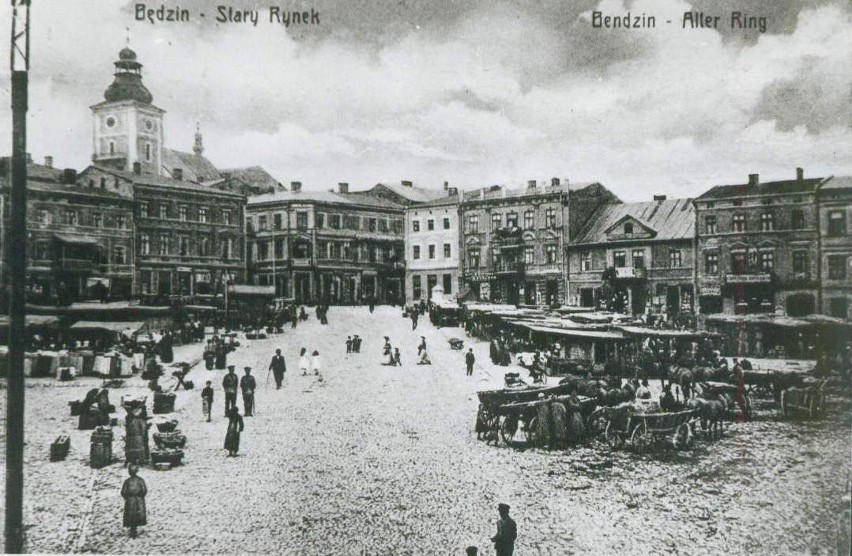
(316, 365)
(303, 361)
(235, 427)
(133, 491)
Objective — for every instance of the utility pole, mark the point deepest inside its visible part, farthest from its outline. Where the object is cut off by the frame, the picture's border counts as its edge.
(16, 257)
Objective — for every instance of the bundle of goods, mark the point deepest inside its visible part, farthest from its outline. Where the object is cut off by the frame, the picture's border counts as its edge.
(169, 440)
(100, 453)
(167, 455)
(130, 402)
(164, 403)
(167, 426)
(60, 447)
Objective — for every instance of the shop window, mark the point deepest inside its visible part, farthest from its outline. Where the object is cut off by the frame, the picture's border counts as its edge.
(416, 287)
(448, 284)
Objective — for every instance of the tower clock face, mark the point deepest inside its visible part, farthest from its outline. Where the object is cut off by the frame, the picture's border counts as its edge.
(110, 121)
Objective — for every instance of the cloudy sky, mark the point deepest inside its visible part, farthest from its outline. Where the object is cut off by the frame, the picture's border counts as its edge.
(474, 93)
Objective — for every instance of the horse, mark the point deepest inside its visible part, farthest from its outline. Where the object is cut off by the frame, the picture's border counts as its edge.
(712, 413)
(684, 378)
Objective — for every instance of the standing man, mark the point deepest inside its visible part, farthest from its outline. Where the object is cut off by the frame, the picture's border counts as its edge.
(469, 359)
(230, 383)
(414, 316)
(278, 367)
(207, 400)
(248, 385)
(134, 491)
(507, 532)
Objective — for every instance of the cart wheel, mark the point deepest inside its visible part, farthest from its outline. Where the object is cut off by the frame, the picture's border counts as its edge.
(683, 437)
(508, 428)
(640, 439)
(612, 436)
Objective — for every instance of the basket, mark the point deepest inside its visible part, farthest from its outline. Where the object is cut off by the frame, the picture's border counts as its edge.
(167, 426)
(169, 440)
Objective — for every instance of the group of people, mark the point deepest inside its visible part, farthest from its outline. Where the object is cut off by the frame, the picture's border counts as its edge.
(392, 355)
(353, 344)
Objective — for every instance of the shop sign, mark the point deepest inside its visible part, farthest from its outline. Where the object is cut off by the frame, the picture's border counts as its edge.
(485, 292)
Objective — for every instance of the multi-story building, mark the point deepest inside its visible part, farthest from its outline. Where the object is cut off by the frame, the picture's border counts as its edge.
(513, 240)
(79, 237)
(835, 261)
(758, 248)
(325, 246)
(635, 258)
(432, 247)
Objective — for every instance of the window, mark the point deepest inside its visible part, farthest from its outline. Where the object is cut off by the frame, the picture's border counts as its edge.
(148, 152)
(371, 224)
(120, 222)
(628, 228)
(347, 252)
(261, 222)
(767, 222)
(111, 147)
(334, 221)
(302, 220)
(767, 260)
(333, 250)
(836, 223)
(204, 246)
(473, 224)
(675, 258)
(227, 248)
(164, 211)
(416, 288)
(711, 263)
(97, 220)
(71, 217)
(550, 254)
(183, 212)
(43, 217)
(415, 227)
(797, 219)
(183, 246)
(839, 307)
(738, 263)
(837, 267)
(496, 221)
(710, 224)
(473, 257)
(163, 245)
(144, 244)
(448, 250)
(226, 217)
(397, 225)
(262, 250)
(320, 220)
(550, 218)
(40, 251)
(738, 223)
(529, 254)
(143, 209)
(383, 225)
(446, 223)
(415, 252)
(529, 220)
(119, 255)
(619, 259)
(279, 248)
(430, 224)
(448, 283)
(512, 220)
(432, 251)
(202, 214)
(638, 257)
(800, 261)
(585, 262)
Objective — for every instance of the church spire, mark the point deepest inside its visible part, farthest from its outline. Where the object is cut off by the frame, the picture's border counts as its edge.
(198, 146)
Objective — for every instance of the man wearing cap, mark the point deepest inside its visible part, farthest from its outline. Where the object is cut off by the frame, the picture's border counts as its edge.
(278, 367)
(507, 532)
(230, 383)
(248, 385)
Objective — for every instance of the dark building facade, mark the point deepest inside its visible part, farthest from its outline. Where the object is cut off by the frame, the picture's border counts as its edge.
(835, 223)
(327, 247)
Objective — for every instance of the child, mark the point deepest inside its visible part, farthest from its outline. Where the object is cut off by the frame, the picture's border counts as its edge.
(303, 361)
(315, 362)
(207, 400)
(396, 358)
(349, 344)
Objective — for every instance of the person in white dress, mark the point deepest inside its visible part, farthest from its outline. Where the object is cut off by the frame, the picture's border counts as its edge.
(315, 362)
(303, 361)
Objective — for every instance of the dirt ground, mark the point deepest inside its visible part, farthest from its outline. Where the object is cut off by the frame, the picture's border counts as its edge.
(383, 460)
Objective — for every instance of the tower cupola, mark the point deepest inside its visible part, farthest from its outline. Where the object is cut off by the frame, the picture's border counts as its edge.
(127, 84)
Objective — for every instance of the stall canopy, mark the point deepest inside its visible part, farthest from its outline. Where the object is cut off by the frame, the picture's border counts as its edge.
(244, 289)
(576, 332)
(77, 240)
(107, 326)
(777, 320)
(32, 321)
(665, 333)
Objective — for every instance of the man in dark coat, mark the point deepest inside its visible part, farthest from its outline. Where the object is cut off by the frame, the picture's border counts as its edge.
(207, 400)
(278, 367)
(507, 532)
(230, 383)
(469, 360)
(134, 491)
(248, 385)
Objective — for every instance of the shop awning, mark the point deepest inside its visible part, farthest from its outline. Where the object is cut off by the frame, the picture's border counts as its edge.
(76, 240)
(108, 326)
(665, 333)
(761, 318)
(577, 333)
(32, 321)
(244, 289)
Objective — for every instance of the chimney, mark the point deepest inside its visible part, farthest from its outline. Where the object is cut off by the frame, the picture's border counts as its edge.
(343, 187)
(446, 186)
(69, 176)
(407, 183)
(659, 198)
(177, 173)
(48, 161)
(295, 186)
(137, 168)
(554, 182)
(531, 184)
(800, 174)
(753, 179)
(452, 191)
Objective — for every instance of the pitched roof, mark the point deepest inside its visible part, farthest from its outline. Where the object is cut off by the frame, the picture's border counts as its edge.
(670, 219)
(767, 188)
(500, 192)
(161, 181)
(840, 182)
(413, 193)
(355, 199)
(256, 176)
(439, 202)
(38, 172)
(195, 166)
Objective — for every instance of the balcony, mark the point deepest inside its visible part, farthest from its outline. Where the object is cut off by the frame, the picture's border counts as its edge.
(509, 267)
(749, 278)
(508, 238)
(75, 265)
(627, 272)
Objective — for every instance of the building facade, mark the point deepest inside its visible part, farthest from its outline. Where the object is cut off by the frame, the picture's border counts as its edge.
(432, 243)
(513, 240)
(635, 258)
(758, 247)
(835, 223)
(80, 237)
(327, 247)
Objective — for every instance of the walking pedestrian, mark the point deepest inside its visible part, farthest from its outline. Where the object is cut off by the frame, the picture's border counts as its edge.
(356, 343)
(221, 354)
(316, 365)
(134, 491)
(248, 385)
(469, 360)
(372, 304)
(396, 358)
(278, 367)
(303, 361)
(207, 400)
(414, 319)
(349, 344)
(232, 436)
(422, 346)
(507, 532)
(229, 384)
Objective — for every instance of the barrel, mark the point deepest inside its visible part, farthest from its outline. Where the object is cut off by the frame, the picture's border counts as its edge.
(164, 403)
(100, 452)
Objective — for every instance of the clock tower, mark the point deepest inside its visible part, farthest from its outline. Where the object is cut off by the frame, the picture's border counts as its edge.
(126, 127)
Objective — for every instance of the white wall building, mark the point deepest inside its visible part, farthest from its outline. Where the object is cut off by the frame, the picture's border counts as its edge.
(432, 248)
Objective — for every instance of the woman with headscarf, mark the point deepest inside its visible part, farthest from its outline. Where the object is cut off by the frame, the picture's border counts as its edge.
(134, 491)
(232, 436)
